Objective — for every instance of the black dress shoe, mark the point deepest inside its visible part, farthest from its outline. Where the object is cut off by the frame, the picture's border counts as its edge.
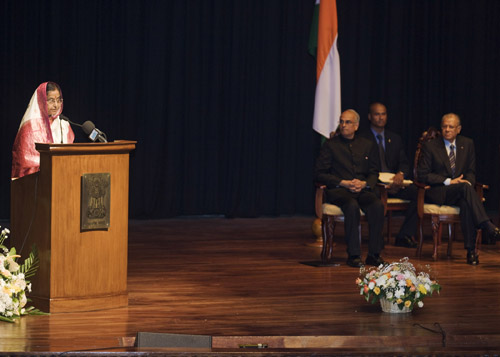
(354, 261)
(492, 230)
(472, 258)
(374, 260)
(405, 241)
(495, 234)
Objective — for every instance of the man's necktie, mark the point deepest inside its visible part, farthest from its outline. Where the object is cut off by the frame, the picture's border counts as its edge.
(381, 152)
(452, 159)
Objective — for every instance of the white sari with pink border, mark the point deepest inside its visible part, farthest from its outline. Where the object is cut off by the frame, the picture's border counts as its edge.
(37, 127)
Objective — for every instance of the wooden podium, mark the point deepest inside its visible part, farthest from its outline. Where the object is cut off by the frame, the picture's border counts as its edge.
(80, 269)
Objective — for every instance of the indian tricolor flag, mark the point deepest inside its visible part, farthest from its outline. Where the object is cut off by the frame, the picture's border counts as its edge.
(327, 105)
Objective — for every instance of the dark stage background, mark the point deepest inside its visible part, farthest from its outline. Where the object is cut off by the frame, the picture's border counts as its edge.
(220, 94)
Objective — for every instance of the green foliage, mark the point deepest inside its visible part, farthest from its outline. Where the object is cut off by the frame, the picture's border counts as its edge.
(7, 319)
(31, 264)
(33, 311)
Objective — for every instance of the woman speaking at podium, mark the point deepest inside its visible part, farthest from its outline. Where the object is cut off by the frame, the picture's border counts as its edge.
(41, 124)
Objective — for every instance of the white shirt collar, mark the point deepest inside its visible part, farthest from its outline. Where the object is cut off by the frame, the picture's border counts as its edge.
(375, 133)
(447, 144)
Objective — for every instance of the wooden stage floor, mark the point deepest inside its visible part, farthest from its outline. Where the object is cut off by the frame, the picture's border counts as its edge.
(242, 281)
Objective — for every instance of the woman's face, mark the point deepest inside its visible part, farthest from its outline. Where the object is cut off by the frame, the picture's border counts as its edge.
(54, 102)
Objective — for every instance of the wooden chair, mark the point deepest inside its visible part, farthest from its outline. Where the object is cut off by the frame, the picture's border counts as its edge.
(330, 215)
(439, 215)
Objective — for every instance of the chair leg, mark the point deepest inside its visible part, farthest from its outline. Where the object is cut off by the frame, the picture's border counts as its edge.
(328, 227)
(440, 233)
(451, 237)
(435, 234)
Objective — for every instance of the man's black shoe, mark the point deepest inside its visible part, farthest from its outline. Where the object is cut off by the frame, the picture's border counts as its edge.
(405, 241)
(472, 258)
(495, 234)
(375, 261)
(354, 261)
(492, 230)
(491, 233)
(488, 239)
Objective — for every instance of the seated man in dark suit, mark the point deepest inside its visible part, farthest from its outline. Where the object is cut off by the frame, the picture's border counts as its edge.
(448, 165)
(348, 166)
(393, 159)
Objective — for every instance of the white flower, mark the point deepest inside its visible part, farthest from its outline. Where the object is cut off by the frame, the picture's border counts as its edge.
(23, 300)
(381, 281)
(400, 292)
(13, 266)
(371, 285)
(420, 304)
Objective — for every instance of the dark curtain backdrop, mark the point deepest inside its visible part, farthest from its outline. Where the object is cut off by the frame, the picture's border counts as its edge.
(220, 94)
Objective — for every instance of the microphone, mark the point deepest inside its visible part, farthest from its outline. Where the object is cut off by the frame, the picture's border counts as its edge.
(94, 133)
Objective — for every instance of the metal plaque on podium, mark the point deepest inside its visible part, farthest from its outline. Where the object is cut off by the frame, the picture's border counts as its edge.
(95, 202)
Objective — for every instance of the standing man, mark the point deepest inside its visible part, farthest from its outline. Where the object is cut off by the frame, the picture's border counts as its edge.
(348, 166)
(448, 165)
(393, 159)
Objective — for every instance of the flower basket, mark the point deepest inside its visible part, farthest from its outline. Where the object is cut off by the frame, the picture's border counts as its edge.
(392, 307)
(397, 286)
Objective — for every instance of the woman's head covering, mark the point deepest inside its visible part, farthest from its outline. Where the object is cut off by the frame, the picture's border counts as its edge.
(34, 128)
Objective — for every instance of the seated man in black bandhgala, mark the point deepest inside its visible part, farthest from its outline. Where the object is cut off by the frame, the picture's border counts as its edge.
(348, 166)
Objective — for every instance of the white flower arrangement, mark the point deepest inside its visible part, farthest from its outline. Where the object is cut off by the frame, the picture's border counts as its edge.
(398, 283)
(13, 283)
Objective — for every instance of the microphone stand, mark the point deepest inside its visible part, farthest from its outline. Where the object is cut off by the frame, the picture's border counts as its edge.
(60, 125)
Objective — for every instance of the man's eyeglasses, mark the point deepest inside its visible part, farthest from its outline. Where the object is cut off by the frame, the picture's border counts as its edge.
(53, 101)
(346, 122)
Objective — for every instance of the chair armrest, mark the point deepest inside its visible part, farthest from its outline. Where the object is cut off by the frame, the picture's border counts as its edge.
(319, 199)
(421, 188)
(479, 187)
